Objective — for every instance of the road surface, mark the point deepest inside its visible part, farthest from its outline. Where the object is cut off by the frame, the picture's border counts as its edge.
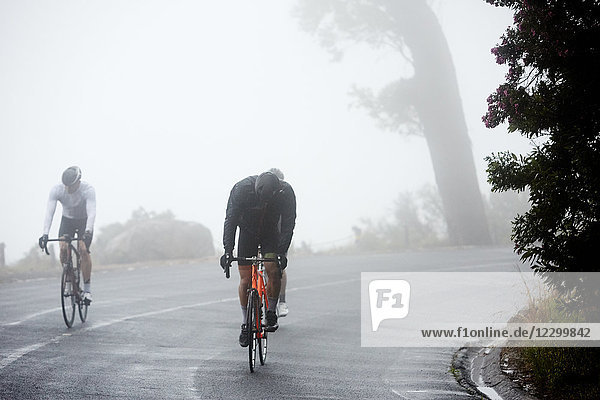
(171, 332)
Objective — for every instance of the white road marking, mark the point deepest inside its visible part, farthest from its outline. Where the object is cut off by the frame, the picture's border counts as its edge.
(30, 316)
(452, 392)
(96, 305)
(478, 380)
(156, 312)
(323, 284)
(17, 354)
(397, 393)
(25, 350)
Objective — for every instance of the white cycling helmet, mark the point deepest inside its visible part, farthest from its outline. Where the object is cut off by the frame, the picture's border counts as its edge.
(277, 173)
(71, 176)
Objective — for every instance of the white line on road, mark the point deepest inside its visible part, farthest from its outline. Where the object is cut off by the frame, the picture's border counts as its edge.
(495, 264)
(156, 312)
(397, 393)
(25, 350)
(17, 354)
(478, 379)
(323, 284)
(202, 304)
(431, 392)
(30, 316)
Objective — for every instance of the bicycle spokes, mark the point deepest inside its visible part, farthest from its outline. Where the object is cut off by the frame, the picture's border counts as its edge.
(67, 297)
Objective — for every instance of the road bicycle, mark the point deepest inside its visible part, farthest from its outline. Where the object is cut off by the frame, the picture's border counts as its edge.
(71, 293)
(256, 319)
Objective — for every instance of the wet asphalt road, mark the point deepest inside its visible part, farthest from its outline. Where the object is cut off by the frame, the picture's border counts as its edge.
(170, 332)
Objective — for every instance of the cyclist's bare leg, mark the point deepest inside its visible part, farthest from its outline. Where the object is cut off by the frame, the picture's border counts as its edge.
(245, 283)
(64, 258)
(64, 252)
(274, 283)
(86, 262)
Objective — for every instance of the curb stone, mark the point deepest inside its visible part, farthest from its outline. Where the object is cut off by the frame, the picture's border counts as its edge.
(479, 371)
(461, 367)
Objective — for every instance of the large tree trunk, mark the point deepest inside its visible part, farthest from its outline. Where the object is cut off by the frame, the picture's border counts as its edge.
(439, 106)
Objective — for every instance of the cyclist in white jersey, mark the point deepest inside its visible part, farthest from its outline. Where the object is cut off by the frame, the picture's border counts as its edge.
(78, 200)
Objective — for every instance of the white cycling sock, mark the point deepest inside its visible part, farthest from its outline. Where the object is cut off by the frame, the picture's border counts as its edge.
(86, 287)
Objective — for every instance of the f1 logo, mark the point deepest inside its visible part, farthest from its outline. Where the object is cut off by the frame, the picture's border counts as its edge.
(389, 299)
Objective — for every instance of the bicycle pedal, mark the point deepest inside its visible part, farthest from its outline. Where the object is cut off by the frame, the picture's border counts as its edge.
(272, 328)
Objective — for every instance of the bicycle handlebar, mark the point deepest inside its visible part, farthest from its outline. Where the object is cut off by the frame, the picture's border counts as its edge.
(253, 259)
(64, 238)
(263, 259)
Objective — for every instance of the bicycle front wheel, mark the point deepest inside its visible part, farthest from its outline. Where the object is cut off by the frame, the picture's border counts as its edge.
(262, 334)
(81, 304)
(251, 325)
(67, 299)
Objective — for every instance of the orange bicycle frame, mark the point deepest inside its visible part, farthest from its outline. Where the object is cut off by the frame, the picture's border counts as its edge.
(258, 284)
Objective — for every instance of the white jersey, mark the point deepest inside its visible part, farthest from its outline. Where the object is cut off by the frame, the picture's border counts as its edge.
(78, 205)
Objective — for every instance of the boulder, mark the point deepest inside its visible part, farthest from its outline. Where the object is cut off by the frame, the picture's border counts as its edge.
(159, 239)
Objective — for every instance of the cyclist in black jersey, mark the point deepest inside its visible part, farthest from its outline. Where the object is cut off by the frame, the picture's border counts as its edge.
(264, 208)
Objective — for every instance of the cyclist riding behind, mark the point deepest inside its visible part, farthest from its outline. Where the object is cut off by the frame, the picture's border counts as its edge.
(259, 205)
(78, 200)
(282, 307)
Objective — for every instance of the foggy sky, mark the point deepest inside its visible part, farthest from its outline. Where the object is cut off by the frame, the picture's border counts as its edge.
(166, 104)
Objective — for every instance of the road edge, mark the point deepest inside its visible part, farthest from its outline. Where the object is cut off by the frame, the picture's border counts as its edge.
(484, 364)
(461, 368)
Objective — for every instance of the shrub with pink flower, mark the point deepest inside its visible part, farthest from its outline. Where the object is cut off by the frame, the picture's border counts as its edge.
(551, 96)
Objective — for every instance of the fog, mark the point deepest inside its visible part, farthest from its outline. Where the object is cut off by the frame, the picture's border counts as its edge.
(166, 104)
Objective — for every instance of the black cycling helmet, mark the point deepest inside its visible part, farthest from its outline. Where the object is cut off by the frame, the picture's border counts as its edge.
(71, 176)
(267, 184)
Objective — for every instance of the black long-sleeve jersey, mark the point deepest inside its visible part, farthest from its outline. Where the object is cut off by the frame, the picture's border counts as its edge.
(276, 219)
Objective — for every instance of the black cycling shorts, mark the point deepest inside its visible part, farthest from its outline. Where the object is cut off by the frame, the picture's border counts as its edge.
(248, 246)
(68, 226)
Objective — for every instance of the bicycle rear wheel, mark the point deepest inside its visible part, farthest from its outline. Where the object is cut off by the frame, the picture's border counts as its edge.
(251, 325)
(67, 299)
(262, 339)
(83, 310)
